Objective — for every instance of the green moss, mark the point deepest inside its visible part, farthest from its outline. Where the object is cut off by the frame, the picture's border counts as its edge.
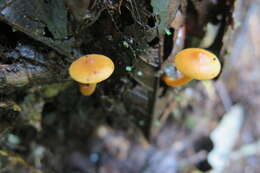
(53, 90)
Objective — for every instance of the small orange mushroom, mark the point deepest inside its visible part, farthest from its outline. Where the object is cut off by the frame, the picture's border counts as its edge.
(194, 63)
(89, 70)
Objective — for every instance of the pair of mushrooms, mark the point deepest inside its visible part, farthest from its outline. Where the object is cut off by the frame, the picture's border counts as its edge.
(193, 63)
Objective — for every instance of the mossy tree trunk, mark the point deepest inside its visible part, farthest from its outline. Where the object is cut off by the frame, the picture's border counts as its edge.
(42, 38)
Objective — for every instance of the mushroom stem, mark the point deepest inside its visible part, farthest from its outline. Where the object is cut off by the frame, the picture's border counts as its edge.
(87, 89)
(183, 80)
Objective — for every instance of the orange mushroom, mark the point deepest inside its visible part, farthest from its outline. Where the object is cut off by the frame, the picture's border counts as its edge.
(89, 70)
(194, 63)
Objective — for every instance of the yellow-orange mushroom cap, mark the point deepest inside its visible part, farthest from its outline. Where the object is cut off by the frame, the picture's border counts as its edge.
(197, 63)
(91, 68)
(194, 63)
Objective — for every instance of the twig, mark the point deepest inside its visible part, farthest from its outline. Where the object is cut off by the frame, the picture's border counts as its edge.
(223, 94)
